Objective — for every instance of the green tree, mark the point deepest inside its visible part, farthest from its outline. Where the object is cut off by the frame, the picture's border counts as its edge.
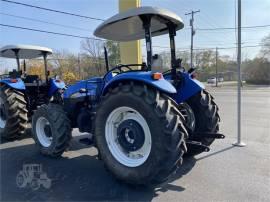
(257, 71)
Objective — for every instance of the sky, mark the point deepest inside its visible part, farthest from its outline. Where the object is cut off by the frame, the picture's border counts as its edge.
(213, 14)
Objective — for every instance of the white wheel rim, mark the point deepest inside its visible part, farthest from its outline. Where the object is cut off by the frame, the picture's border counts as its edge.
(44, 140)
(134, 158)
(2, 121)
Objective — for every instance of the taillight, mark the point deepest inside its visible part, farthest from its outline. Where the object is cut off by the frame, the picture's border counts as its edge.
(13, 80)
(157, 76)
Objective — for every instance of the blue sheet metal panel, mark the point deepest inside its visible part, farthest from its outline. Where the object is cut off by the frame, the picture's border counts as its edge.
(187, 88)
(93, 86)
(55, 85)
(19, 85)
(74, 88)
(144, 77)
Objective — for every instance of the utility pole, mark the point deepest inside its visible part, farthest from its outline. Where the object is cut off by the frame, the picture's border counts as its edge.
(239, 143)
(192, 34)
(216, 66)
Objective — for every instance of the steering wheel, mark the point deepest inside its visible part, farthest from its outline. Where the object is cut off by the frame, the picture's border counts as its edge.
(118, 69)
(120, 66)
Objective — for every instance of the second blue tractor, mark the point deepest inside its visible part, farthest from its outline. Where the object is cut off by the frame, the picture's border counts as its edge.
(22, 93)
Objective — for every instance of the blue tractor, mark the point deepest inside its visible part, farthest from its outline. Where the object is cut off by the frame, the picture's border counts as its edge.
(142, 121)
(20, 93)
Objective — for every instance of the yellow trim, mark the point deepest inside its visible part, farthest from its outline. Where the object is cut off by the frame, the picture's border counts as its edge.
(130, 52)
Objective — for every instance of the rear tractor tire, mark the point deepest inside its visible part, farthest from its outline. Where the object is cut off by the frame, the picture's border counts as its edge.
(201, 114)
(139, 134)
(51, 130)
(13, 113)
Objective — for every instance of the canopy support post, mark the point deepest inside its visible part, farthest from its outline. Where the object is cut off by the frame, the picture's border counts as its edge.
(24, 66)
(106, 59)
(172, 34)
(146, 19)
(16, 52)
(46, 65)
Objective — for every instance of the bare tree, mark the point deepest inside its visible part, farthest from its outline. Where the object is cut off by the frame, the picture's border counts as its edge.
(94, 50)
(265, 51)
(64, 63)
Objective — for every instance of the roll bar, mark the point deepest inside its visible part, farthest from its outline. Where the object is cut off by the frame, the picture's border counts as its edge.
(44, 54)
(146, 20)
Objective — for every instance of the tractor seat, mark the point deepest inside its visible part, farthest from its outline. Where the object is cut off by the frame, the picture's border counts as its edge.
(15, 74)
(31, 79)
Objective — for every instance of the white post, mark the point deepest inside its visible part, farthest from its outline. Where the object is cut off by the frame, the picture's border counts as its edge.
(216, 67)
(239, 142)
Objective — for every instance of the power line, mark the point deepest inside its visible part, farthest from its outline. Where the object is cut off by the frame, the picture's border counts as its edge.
(49, 32)
(53, 10)
(221, 43)
(213, 48)
(99, 19)
(91, 38)
(223, 48)
(232, 28)
(58, 33)
(45, 22)
(213, 24)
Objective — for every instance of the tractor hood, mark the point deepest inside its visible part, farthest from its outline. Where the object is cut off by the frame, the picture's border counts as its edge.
(128, 26)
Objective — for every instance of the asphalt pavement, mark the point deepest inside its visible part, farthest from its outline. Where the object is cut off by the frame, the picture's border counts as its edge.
(226, 173)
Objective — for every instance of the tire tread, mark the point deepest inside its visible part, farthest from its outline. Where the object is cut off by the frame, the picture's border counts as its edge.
(17, 113)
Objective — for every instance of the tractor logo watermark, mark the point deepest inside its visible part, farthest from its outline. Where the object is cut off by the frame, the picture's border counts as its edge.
(32, 176)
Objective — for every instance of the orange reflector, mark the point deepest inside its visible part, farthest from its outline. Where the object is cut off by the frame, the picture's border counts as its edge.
(13, 80)
(157, 76)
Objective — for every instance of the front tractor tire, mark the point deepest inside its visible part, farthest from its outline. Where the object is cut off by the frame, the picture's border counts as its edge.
(51, 130)
(13, 113)
(139, 134)
(201, 114)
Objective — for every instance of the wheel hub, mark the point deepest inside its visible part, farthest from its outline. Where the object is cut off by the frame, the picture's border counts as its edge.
(130, 135)
(47, 130)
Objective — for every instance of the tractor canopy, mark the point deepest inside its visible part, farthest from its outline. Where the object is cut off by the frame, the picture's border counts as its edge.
(24, 51)
(128, 25)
